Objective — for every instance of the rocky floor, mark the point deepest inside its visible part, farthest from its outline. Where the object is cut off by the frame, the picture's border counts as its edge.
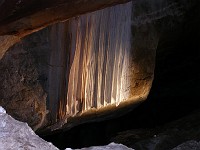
(185, 130)
(18, 135)
(182, 134)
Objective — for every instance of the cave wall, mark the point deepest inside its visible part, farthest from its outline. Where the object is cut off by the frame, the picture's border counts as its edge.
(175, 91)
(19, 18)
(49, 53)
(26, 65)
(21, 93)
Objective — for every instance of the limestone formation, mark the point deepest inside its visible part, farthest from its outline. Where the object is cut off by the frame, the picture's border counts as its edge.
(92, 67)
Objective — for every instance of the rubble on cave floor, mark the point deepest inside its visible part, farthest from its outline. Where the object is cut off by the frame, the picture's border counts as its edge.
(183, 133)
(18, 135)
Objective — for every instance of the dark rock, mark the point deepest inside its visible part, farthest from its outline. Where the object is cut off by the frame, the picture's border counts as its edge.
(189, 145)
(21, 93)
(20, 17)
(164, 137)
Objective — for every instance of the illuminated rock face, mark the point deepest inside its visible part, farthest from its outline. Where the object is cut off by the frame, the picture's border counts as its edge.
(87, 68)
(97, 70)
(98, 65)
(92, 67)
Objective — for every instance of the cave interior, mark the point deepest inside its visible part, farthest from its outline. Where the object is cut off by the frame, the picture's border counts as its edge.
(174, 93)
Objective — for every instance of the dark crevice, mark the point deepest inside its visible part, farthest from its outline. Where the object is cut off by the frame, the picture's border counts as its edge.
(174, 93)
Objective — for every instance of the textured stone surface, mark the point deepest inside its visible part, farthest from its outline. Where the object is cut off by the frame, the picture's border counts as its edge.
(18, 135)
(6, 42)
(19, 18)
(23, 17)
(21, 93)
(164, 137)
(151, 20)
(42, 57)
(110, 146)
(189, 145)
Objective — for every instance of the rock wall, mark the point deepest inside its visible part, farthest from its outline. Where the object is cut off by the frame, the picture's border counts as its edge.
(45, 56)
(26, 66)
(21, 92)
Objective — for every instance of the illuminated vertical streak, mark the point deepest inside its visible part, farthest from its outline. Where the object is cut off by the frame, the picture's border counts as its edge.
(98, 59)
